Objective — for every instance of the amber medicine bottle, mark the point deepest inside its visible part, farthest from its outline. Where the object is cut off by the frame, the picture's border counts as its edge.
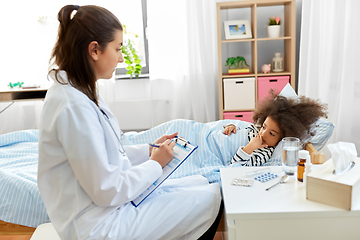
(303, 155)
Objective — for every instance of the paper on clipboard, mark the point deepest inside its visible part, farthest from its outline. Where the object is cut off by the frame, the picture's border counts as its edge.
(181, 153)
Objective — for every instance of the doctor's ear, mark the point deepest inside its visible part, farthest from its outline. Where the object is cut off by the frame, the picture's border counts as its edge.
(93, 50)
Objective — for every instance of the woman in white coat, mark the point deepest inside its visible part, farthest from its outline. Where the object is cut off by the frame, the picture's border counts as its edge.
(86, 177)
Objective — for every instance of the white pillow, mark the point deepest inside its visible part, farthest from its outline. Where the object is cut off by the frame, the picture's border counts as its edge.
(322, 129)
(288, 91)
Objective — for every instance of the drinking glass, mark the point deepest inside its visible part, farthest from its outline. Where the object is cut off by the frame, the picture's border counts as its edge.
(291, 146)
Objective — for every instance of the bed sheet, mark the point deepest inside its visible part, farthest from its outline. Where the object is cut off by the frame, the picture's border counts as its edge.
(20, 200)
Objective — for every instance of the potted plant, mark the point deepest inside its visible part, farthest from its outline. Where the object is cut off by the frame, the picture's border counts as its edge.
(131, 55)
(274, 27)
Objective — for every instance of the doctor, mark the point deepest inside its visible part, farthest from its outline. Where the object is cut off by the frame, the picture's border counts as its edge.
(86, 177)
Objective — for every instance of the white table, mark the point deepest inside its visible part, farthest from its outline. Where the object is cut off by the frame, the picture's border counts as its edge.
(283, 212)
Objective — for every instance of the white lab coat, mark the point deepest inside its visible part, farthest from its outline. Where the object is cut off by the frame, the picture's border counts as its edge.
(87, 184)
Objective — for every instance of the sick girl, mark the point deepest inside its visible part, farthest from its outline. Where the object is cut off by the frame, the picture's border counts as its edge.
(276, 118)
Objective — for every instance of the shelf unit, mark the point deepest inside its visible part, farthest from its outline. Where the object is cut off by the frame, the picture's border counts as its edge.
(252, 45)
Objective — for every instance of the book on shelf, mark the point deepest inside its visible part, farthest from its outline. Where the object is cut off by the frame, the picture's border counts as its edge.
(239, 71)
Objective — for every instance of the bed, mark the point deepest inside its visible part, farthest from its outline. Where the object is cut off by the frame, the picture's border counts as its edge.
(21, 207)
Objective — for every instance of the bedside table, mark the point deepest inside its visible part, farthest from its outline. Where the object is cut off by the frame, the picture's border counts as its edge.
(283, 212)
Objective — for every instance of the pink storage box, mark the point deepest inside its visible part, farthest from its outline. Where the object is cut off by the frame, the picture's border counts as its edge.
(277, 83)
(243, 116)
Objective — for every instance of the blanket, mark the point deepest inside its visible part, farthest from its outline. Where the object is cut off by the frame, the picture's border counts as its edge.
(215, 149)
(20, 200)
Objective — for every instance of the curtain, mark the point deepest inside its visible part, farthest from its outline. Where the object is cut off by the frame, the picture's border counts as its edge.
(20, 32)
(329, 63)
(20, 115)
(183, 59)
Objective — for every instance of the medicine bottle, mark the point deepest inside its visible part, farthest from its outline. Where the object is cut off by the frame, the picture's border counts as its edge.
(303, 155)
(308, 165)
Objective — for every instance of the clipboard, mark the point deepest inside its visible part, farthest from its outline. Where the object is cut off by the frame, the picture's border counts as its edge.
(182, 150)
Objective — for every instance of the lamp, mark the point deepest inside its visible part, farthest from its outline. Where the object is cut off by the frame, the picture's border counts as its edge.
(277, 63)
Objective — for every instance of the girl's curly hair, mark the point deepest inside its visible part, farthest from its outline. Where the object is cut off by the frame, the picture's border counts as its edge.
(294, 116)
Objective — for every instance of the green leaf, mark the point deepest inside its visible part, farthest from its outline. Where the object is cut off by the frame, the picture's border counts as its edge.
(131, 56)
(130, 68)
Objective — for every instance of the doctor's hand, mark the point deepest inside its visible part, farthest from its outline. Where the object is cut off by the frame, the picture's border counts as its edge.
(164, 153)
(166, 137)
(161, 140)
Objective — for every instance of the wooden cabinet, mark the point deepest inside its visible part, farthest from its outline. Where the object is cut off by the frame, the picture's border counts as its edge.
(257, 50)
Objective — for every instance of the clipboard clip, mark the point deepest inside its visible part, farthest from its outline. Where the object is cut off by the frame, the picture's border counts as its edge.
(181, 141)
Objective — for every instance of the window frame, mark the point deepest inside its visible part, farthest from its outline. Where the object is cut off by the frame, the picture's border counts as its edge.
(120, 73)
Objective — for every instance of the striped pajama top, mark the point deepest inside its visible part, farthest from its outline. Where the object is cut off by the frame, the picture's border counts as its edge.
(258, 157)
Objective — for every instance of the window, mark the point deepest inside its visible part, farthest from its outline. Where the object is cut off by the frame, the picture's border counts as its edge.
(133, 15)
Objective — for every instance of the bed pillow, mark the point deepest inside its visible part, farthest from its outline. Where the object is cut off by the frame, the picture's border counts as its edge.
(323, 130)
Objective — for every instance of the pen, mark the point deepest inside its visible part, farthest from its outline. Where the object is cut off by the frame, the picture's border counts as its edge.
(154, 145)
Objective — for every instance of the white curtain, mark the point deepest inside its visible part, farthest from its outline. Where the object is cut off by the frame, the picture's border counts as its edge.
(183, 59)
(330, 62)
(21, 115)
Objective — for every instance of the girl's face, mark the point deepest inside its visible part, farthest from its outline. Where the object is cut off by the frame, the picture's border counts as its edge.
(270, 132)
(109, 57)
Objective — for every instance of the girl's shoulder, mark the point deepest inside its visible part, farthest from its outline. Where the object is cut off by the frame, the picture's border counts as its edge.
(253, 129)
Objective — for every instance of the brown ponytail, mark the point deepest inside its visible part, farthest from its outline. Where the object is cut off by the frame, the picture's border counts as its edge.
(78, 27)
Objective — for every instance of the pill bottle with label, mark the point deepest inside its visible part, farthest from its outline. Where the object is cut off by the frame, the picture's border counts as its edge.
(303, 155)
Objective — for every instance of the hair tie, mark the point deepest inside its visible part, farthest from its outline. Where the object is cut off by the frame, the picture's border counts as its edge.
(76, 7)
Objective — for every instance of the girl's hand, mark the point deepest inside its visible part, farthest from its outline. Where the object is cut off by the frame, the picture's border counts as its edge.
(164, 153)
(255, 143)
(229, 129)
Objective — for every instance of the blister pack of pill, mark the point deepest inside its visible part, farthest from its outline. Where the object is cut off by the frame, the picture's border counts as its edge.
(245, 182)
(266, 177)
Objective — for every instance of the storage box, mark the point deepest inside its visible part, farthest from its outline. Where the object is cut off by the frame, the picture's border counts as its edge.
(239, 93)
(342, 191)
(243, 116)
(277, 83)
